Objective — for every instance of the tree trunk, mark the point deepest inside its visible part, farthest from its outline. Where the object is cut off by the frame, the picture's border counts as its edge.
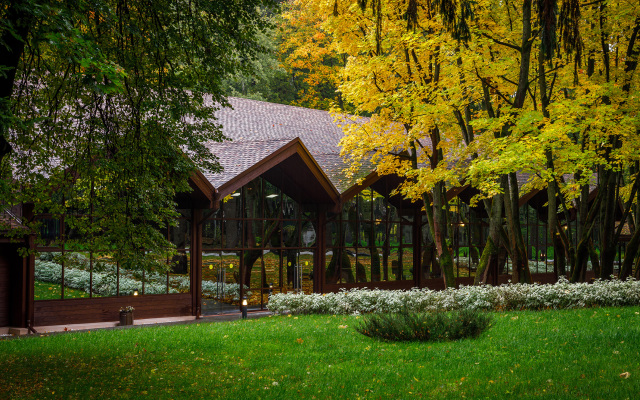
(629, 255)
(519, 262)
(488, 267)
(608, 211)
(439, 234)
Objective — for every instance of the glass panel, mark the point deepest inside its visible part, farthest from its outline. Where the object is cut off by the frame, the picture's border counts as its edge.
(231, 263)
(71, 224)
(309, 212)
(333, 266)
(363, 266)
(180, 263)
(253, 199)
(348, 266)
(211, 263)
(184, 213)
(289, 207)
(293, 272)
(219, 289)
(272, 201)
(379, 207)
(49, 232)
(393, 212)
(271, 233)
(105, 276)
(308, 236)
(272, 268)
(151, 282)
(212, 234)
(397, 267)
(305, 261)
(180, 235)
(48, 277)
(290, 234)
(255, 235)
(407, 234)
(331, 233)
(232, 231)
(254, 276)
(232, 205)
(407, 263)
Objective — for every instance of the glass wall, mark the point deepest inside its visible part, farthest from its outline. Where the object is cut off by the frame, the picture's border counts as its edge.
(66, 268)
(261, 239)
(370, 240)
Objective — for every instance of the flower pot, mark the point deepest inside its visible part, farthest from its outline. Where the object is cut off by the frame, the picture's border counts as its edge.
(126, 318)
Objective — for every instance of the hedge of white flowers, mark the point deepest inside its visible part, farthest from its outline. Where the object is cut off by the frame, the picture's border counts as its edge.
(505, 297)
(105, 282)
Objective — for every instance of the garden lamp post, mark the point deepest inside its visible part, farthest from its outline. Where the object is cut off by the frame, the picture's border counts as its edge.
(244, 308)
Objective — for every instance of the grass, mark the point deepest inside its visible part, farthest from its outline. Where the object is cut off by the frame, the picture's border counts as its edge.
(572, 354)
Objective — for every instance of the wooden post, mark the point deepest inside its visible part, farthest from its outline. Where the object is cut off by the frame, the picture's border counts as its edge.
(196, 262)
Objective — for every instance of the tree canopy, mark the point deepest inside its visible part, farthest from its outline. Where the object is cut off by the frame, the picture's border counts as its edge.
(105, 106)
(473, 93)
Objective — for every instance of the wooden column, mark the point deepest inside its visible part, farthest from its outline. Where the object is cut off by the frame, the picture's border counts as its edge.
(321, 249)
(417, 248)
(196, 261)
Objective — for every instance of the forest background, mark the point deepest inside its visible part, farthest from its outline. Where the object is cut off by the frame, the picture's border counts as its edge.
(480, 93)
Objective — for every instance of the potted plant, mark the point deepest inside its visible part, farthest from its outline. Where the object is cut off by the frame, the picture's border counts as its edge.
(126, 315)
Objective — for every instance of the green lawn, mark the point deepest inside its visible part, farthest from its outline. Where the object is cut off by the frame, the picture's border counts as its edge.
(552, 354)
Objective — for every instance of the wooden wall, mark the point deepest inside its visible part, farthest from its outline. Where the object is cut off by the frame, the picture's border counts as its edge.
(4, 286)
(105, 309)
(13, 285)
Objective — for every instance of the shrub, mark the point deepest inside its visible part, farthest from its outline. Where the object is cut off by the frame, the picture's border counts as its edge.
(438, 326)
(611, 293)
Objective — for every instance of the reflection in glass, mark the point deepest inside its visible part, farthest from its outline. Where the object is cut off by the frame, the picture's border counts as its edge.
(211, 234)
(180, 235)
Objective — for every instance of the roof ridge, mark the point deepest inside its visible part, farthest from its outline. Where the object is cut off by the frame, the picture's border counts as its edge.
(278, 104)
(257, 140)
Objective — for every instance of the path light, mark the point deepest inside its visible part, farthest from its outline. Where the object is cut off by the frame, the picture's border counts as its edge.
(271, 196)
(244, 307)
(270, 288)
(135, 292)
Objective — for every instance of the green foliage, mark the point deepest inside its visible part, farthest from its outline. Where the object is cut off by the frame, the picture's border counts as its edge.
(437, 326)
(100, 102)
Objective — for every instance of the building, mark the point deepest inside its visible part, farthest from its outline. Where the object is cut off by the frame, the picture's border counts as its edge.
(281, 217)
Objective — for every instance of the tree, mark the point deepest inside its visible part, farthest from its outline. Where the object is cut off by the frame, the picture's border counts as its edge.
(477, 92)
(101, 101)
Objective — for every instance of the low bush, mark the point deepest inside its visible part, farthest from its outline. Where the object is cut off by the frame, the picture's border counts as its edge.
(409, 326)
(561, 295)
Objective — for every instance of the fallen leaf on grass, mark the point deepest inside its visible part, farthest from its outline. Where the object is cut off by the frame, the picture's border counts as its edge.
(625, 375)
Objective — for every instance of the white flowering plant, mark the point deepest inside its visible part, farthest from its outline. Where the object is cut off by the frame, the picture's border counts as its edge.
(601, 293)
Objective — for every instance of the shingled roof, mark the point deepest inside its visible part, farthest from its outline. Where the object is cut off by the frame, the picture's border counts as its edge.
(258, 129)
